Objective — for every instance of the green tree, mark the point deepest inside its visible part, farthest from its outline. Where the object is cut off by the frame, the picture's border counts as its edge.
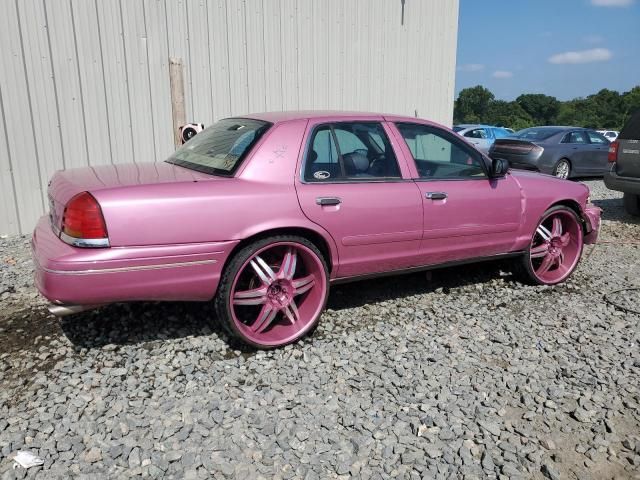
(605, 109)
(543, 109)
(631, 102)
(508, 114)
(472, 104)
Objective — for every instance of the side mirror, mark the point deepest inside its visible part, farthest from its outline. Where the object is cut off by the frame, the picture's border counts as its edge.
(499, 167)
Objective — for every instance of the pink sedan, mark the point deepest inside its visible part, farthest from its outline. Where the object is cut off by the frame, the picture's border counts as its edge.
(260, 214)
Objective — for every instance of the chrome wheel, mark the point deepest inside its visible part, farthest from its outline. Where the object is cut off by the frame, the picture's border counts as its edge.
(556, 246)
(563, 169)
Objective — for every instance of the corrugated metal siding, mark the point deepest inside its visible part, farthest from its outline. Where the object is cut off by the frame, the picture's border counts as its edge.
(86, 82)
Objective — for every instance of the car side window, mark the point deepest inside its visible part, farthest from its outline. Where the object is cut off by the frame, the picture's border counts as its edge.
(476, 133)
(439, 155)
(575, 137)
(596, 138)
(501, 133)
(350, 151)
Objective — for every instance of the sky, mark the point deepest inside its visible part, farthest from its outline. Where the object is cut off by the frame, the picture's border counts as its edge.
(563, 48)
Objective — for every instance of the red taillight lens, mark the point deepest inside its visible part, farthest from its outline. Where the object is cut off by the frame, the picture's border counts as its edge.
(83, 218)
(613, 152)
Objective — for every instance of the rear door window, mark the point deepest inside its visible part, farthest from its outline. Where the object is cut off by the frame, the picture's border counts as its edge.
(597, 139)
(477, 133)
(350, 151)
(575, 137)
(501, 133)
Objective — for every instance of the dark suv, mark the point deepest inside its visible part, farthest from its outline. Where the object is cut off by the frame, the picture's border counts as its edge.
(624, 174)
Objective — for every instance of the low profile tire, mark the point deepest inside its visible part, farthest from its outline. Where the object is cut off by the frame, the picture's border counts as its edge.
(273, 291)
(632, 204)
(562, 169)
(555, 247)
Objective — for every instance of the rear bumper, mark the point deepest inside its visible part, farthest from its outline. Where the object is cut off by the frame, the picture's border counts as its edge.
(622, 184)
(592, 216)
(80, 276)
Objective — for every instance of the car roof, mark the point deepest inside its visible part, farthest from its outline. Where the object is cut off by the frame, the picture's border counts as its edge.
(475, 125)
(331, 115)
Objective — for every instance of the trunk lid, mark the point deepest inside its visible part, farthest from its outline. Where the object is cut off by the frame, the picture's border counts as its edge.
(65, 184)
(628, 161)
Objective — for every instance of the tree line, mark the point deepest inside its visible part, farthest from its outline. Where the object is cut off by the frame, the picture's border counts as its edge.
(606, 109)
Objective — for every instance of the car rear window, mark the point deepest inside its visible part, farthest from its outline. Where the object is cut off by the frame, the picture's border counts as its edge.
(631, 130)
(220, 149)
(536, 133)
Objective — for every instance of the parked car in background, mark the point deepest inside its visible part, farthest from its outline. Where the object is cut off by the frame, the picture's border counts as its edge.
(610, 135)
(260, 214)
(482, 136)
(565, 152)
(624, 174)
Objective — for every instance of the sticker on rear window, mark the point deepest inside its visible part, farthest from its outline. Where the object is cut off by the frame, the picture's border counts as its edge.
(321, 175)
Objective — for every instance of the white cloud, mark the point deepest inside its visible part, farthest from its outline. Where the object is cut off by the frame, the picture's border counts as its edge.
(583, 56)
(471, 67)
(502, 74)
(612, 3)
(593, 39)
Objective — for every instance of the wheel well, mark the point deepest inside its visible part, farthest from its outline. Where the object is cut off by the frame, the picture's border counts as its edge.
(575, 206)
(310, 235)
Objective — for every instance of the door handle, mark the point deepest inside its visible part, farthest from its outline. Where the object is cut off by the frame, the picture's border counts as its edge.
(324, 201)
(436, 195)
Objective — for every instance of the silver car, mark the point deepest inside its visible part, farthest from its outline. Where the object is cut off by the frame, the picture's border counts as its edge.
(482, 136)
(561, 151)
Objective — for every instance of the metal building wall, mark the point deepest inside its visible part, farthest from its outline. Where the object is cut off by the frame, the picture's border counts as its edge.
(86, 82)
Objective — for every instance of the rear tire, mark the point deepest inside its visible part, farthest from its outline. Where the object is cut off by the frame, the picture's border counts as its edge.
(632, 204)
(273, 291)
(562, 169)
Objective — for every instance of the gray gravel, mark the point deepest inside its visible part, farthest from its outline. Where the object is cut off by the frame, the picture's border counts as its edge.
(463, 373)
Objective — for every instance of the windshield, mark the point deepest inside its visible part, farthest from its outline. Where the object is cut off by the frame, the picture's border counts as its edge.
(536, 133)
(457, 128)
(220, 148)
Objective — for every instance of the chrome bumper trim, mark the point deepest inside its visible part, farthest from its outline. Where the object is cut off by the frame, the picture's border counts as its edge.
(84, 242)
(128, 269)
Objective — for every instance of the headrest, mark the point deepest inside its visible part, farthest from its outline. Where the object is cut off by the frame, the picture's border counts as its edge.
(356, 163)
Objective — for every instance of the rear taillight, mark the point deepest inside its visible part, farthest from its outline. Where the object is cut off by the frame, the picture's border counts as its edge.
(83, 223)
(613, 151)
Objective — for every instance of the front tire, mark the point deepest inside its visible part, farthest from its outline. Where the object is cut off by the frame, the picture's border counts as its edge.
(555, 248)
(632, 204)
(562, 169)
(273, 291)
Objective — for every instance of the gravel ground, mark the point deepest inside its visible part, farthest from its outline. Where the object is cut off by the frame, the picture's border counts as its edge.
(464, 373)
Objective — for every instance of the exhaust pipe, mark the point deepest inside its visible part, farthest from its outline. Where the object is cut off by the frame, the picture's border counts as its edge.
(64, 310)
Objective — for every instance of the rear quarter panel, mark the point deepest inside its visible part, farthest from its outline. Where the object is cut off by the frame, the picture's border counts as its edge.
(261, 197)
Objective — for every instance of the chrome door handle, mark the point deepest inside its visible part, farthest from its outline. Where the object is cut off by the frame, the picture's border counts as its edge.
(323, 201)
(436, 195)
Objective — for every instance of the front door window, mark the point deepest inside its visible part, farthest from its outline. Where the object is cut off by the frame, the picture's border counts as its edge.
(438, 155)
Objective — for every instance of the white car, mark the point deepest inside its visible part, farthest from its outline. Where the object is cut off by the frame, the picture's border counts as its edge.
(610, 134)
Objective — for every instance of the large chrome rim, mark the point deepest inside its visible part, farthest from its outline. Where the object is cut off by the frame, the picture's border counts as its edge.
(562, 170)
(556, 247)
(278, 294)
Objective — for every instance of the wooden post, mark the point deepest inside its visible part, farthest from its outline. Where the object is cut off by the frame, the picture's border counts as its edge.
(176, 80)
